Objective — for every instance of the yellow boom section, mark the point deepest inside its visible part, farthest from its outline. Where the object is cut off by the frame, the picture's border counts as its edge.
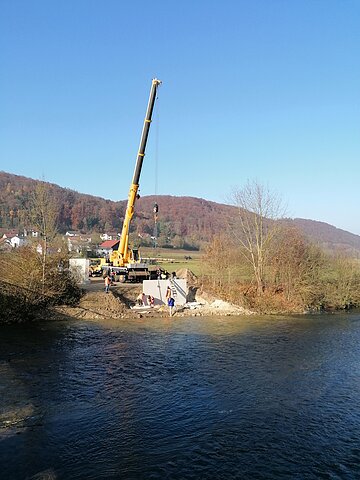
(123, 251)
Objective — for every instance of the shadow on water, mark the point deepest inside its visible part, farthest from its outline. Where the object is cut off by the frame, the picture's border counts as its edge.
(227, 397)
(31, 356)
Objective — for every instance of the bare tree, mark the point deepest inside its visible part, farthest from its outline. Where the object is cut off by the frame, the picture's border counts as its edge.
(258, 210)
(296, 266)
(44, 213)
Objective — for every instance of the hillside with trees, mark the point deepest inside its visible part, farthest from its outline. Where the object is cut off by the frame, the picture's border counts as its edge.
(251, 255)
(183, 222)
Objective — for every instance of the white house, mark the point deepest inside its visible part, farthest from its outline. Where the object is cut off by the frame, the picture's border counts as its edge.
(78, 244)
(32, 233)
(109, 236)
(17, 241)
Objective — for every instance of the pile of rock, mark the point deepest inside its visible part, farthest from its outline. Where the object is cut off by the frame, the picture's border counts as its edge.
(187, 275)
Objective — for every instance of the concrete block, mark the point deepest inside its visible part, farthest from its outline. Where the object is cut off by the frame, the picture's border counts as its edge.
(80, 269)
(157, 288)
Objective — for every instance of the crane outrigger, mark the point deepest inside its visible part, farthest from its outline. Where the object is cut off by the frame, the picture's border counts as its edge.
(125, 261)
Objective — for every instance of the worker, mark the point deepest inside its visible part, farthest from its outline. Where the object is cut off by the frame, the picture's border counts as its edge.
(139, 299)
(112, 276)
(171, 304)
(107, 283)
(151, 300)
(170, 300)
(168, 294)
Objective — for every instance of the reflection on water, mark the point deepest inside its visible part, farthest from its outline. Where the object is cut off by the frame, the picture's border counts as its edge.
(215, 398)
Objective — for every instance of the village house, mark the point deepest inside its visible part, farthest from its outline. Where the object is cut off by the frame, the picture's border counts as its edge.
(17, 241)
(109, 236)
(13, 238)
(78, 244)
(31, 233)
(107, 247)
(5, 245)
(9, 234)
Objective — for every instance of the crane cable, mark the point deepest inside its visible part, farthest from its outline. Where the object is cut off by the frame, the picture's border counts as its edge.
(157, 146)
(156, 207)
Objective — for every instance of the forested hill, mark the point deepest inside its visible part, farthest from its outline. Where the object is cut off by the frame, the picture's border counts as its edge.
(182, 221)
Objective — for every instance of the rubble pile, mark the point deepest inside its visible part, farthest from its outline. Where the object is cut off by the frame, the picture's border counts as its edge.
(188, 275)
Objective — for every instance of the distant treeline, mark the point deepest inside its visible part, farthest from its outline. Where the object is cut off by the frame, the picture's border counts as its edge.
(183, 222)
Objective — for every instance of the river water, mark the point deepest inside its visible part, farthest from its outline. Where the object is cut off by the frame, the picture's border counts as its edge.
(186, 398)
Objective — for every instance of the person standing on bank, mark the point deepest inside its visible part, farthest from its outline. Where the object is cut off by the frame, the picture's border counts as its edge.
(168, 294)
(170, 300)
(171, 304)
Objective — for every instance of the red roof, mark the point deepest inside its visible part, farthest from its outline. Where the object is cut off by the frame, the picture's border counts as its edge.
(109, 243)
(10, 233)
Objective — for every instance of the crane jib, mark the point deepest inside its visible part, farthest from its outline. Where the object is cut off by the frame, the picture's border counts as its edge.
(123, 254)
(145, 131)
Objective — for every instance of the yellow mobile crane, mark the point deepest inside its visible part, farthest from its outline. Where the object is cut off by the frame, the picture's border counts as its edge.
(124, 261)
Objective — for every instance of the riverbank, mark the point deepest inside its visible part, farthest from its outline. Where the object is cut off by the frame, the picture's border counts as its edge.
(119, 304)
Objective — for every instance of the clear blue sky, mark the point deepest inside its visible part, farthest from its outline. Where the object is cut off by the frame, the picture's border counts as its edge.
(266, 90)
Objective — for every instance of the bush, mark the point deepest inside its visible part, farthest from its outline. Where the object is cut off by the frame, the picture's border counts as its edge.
(21, 272)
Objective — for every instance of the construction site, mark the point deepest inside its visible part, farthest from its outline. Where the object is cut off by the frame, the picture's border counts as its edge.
(129, 286)
(123, 300)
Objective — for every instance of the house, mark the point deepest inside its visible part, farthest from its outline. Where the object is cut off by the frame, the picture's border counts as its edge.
(39, 249)
(32, 233)
(5, 245)
(107, 247)
(109, 236)
(72, 233)
(85, 239)
(17, 241)
(78, 245)
(9, 234)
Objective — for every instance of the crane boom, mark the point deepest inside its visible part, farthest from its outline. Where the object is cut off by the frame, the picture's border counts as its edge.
(123, 254)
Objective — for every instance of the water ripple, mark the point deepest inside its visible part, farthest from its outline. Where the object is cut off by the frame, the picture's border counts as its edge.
(193, 398)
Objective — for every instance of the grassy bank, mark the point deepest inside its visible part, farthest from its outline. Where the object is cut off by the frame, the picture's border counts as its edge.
(174, 259)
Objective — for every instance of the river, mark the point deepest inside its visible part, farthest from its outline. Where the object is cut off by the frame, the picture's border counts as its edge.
(186, 398)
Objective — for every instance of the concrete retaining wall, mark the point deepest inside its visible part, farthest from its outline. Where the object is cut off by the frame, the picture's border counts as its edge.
(80, 269)
(157, 288)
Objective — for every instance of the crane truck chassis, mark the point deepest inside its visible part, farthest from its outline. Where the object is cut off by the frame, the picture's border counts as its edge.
(126, 263)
